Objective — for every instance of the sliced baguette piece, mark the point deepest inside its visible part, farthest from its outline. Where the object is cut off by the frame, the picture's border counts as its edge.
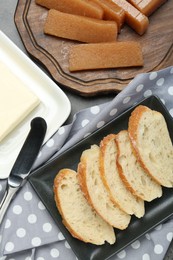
(133, 175)
(112, 181)
(95, 191)
(151, 141)
(78, 216)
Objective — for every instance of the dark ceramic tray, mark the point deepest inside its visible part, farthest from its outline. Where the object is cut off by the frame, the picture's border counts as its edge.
(156, 212)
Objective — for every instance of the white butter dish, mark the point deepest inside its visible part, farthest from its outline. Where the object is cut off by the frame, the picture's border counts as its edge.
(54, 105)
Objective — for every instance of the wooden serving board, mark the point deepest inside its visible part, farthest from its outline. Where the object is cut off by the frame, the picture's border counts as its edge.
(52, 52)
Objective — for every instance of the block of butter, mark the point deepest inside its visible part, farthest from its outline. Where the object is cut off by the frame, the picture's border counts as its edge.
(16, 101)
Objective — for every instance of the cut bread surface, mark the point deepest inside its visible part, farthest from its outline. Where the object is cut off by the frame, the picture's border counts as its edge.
(78, 216)
(153, 146)
(134, 176)
(95, 191)
(111, 178)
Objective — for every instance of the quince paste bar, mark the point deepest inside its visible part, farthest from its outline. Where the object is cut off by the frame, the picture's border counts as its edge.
(79, 7)
(79, 28)
(133, 17)
(112, 11)
(147, 7)
(105, 55)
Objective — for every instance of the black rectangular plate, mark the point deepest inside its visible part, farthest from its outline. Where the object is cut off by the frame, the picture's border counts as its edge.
(156, 212)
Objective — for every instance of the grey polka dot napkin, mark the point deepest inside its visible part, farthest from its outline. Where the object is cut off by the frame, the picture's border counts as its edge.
(29, 233)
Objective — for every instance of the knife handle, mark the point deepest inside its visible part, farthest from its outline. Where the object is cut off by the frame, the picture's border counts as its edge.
(10, 191)
(24, 162)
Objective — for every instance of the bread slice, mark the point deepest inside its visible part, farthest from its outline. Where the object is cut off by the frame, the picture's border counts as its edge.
(80, 219)
(112, 181)
(95, 192)
(133, 175)
(151, 141)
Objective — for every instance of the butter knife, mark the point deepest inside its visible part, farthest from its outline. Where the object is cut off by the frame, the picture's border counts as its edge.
(24, 162)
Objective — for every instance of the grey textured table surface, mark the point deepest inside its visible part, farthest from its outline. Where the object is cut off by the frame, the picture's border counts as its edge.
(7, 25)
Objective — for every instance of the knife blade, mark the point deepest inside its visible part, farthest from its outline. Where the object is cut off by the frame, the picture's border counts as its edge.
(24, 162)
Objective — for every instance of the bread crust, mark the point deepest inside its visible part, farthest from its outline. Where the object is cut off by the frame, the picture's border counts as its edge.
(120, 170)
(67, 179)
(82, 182)
(147, 191)
(84, 176)
(134, 122)
(103, 145)
(132, 130)
(138, 211)
(57, 182)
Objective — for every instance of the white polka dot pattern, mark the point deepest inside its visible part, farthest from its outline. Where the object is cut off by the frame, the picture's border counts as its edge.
(158, 249)
(9, 246)
(47, 227)
(147, 93)
(171, 112)
(169, 236)
(95, 110)
(159, 227)
(100, 124)
(136, 244)
(152, 75)
(145, 257)
(17, 209)
(160, 82)
(148, 236)
(113, 112)
(28, 196)
(85, 122)
(7, 223)
(122, 254)
(29, 225)
(61, 131)
(60, 236)
(54, 253)
(67, 245)
(139, 87)
(126, 100)
(21, 232)
(41, 206)
(32, 218)
(50, 143)
(36, 241)
(170, 90)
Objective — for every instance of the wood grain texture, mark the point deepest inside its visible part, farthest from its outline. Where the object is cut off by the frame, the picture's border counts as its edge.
(52, 52)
